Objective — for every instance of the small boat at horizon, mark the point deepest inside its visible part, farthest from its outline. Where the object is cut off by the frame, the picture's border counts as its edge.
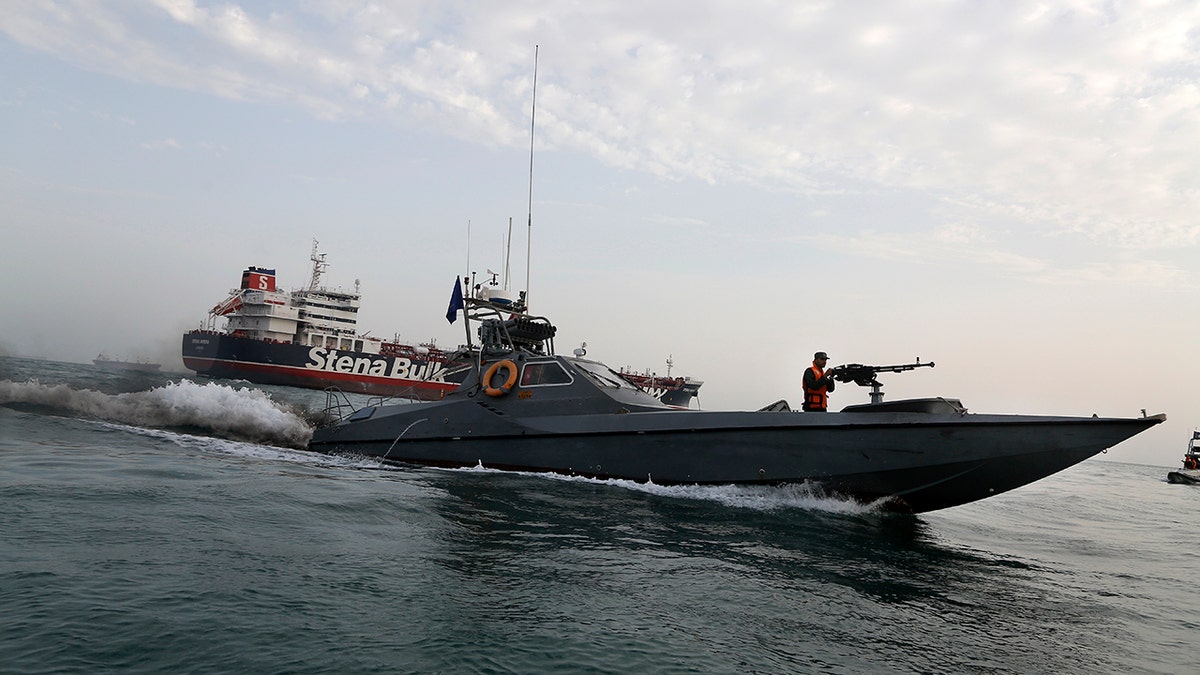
(104, 362)
(1190, 473)
(523, 407)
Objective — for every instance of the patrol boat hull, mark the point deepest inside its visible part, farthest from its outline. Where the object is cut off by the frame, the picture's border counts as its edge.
(522, 407)
(914, 462)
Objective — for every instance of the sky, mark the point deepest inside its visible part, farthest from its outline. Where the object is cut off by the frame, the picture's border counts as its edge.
(1008, 189)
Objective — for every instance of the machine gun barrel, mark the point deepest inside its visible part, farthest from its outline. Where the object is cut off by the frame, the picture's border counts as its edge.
(864, 375)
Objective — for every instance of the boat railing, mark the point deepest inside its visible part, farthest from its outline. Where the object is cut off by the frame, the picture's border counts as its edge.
(337, 408)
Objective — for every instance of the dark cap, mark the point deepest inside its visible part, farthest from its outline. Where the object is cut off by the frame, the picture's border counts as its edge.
(820, 355)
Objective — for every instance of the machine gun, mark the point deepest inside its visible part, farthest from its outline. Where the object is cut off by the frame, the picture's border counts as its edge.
(864, 376)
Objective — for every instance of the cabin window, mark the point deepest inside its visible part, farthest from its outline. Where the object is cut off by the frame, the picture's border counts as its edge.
(544, 373)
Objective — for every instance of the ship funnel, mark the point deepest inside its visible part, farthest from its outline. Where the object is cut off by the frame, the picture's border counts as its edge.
(258, 279)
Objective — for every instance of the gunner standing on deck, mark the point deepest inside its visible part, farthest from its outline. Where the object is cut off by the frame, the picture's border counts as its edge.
(817, 384)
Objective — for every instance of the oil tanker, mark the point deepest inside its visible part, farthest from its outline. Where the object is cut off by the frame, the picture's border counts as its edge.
(309, 338)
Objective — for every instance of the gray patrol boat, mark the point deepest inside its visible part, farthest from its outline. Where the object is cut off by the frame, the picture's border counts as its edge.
(524, 407)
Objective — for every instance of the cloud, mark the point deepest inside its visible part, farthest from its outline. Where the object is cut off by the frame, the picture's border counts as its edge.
(1071, 117)
(959, 244)
(162, 144)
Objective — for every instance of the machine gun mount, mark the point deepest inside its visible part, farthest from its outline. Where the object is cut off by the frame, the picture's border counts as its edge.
(865, 376)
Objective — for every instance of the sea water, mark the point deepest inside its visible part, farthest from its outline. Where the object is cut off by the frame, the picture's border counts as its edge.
(154, 523)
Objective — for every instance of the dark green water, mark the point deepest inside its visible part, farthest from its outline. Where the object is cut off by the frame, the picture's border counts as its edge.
(152, 528)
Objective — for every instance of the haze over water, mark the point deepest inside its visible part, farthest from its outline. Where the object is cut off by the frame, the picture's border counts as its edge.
(163, 525)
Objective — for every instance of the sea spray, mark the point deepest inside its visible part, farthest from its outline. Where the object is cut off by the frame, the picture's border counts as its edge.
(237, 413)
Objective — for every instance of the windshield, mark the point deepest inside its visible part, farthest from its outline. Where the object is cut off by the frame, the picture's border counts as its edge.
(602, 375)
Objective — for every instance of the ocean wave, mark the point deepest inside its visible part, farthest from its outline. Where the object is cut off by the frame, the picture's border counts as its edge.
(242, 414)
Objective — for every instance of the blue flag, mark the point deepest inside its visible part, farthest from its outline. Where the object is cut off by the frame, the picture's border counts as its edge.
(456, 302)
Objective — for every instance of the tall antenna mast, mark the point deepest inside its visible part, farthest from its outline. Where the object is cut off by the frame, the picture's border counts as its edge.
(507, 252)
(532, 121)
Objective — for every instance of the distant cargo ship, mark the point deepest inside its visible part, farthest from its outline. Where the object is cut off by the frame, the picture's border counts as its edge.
(105, 362)
(309, 338)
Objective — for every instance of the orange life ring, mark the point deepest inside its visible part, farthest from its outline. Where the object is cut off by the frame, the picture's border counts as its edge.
(508, 384)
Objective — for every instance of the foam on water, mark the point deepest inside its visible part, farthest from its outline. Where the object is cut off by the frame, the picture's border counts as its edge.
(758, 497)
(237, 413)
(250, 450)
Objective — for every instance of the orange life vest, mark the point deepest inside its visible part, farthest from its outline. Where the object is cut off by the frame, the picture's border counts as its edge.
(816, 399)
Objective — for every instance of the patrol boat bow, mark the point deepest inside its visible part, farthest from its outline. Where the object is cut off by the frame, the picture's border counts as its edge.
(523, 407)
